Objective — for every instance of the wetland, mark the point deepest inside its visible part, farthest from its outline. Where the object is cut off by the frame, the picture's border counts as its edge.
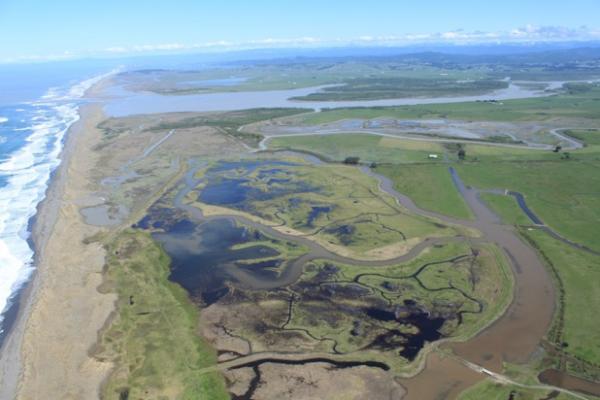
(295, 265)
(284, 289)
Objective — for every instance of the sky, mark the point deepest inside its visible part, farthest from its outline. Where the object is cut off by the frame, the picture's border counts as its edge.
(37, 30)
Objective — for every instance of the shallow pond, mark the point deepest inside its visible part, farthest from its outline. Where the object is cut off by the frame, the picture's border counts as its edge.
(202, 254)
(427, 330)
(230, 183)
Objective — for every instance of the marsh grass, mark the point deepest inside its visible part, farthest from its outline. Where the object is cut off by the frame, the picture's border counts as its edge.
(153, 337)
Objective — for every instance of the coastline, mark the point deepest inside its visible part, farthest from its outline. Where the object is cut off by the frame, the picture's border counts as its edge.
(45, 316)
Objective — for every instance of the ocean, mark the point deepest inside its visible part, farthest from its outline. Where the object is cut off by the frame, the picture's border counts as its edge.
(38, 104)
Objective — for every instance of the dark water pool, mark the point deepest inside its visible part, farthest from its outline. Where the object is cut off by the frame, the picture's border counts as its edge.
(428, 330)
(230, 183)
(315, 212)
(200, 255)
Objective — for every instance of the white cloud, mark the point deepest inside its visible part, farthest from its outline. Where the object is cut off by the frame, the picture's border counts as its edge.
(159, 47)
(525, 34)
(116, 49)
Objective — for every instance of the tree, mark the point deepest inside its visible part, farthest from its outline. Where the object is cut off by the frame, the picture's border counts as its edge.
(352, 160)
(462, 154)
(557, 149)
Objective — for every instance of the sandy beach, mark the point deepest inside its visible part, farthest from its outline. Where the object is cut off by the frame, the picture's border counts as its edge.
(47, 355)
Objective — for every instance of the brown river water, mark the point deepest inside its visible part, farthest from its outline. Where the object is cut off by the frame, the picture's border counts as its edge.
(515, 336)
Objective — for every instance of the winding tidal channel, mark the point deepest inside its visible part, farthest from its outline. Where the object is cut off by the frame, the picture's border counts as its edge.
(512, 338)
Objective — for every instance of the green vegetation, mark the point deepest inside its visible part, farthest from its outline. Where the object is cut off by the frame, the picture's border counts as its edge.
(298, 74)
(507, 208)
(429, 186)
(490, 390)
(580, 105)
(369, 148)
(478, 152)
(394, 88)
(575, 64)
(153, 338)
(587, 136)
(564, 194)
(573, 336)
(575, 330)
(342, 209)
(364, 311)
(447, 280)
(384, 149)
(230, 122)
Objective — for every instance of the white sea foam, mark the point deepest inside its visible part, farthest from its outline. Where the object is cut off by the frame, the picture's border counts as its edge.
(78, 90)
(27, 172)
(3, 120)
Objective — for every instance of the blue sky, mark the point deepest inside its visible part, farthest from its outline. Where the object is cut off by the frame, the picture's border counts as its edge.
(44, 29)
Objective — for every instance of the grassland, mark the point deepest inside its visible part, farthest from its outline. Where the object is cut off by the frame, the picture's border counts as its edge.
(507, 208)
(403, 87)
(490, 390)
(587, 136)
(406, 163)
(564, 194)
(153, 337)
(429, 186)
(561, 191)
(577, 274)
(478, 152)
(369, 148)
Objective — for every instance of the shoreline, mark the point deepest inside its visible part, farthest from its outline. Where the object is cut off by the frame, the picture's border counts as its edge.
(41, 225)
(21, 341)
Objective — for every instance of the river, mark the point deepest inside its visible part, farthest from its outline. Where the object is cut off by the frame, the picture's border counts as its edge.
(125, 103)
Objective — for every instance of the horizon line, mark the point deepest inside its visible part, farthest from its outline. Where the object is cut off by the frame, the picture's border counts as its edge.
(456, 39)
